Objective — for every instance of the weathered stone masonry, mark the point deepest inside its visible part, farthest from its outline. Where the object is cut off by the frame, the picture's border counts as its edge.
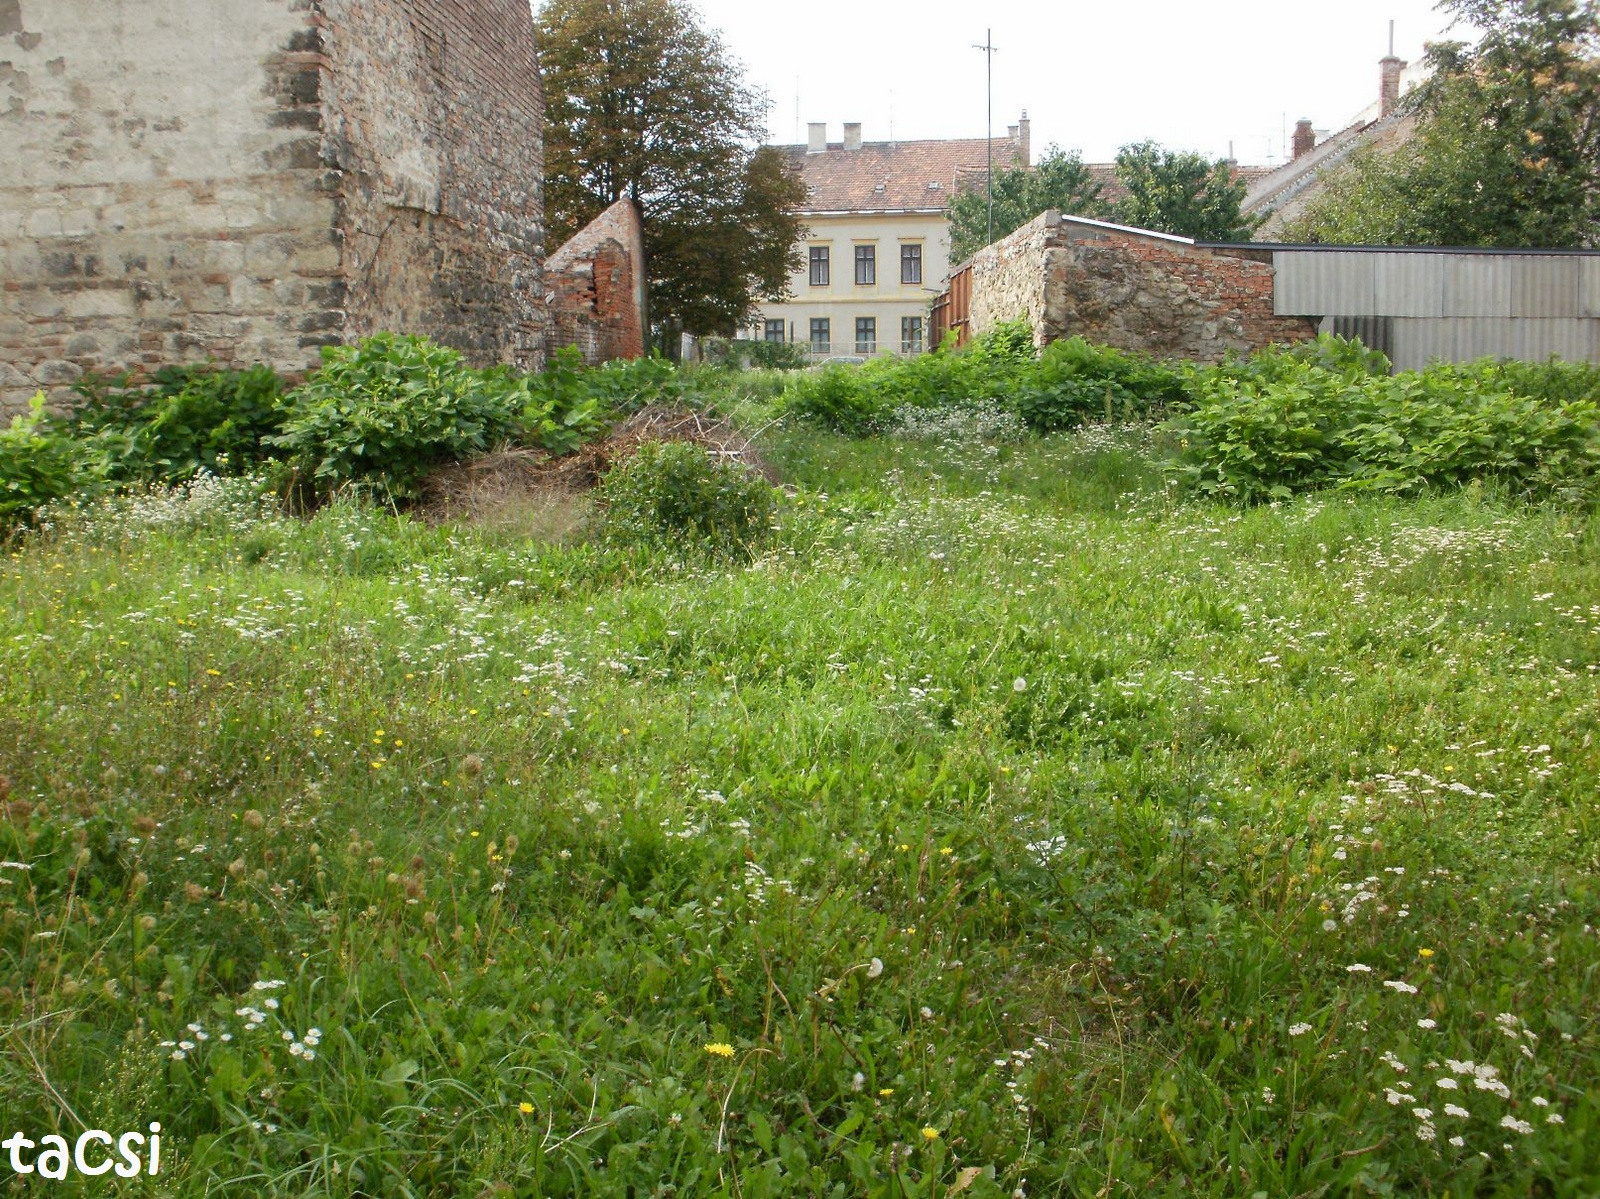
(1132, 289)
(250, 180)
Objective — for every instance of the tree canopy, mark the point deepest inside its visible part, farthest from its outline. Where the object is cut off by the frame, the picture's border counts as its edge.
(1060, 180)
(1180, 192)
(1506, 150)
(643, 102)
(1170, 191)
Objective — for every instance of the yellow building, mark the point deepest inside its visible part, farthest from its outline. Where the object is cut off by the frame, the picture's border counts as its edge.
(878, 244)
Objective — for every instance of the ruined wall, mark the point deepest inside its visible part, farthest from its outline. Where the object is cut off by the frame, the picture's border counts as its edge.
(1132, 289)
(248, 180)
(163, 198)
(596, 287)
(434, 116)
(1008, 278)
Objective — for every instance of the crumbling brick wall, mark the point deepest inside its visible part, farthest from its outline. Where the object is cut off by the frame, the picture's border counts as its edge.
(596, 288)
(247, 181)
(1132, 289)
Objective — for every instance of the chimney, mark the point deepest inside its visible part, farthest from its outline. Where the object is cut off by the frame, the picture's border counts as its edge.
(816, 137)
(1024, 128)
(1305, 138)
(852, 135)
(1389, 84)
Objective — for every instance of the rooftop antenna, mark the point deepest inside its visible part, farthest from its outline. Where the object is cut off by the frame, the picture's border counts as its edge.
(797, 109)
(1391, 39)
(988, 49)
(891, 116)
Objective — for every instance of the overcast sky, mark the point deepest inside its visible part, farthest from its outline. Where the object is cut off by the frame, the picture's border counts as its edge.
(1093, 76)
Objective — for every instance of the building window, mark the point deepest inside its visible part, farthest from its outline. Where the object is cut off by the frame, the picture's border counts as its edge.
(866, 335)
(775, 331)
(866, 264)
(911, 264)
(819, 266)
(821, 335)
(911, 335)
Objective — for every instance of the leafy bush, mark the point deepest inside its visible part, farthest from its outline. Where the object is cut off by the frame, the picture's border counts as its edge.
(1075, 380)
(185, 420)
(835, 397)
(761, 355)
(859, 399)
(382, 413)
(40, 462)
(1329, 414)
(677, 494)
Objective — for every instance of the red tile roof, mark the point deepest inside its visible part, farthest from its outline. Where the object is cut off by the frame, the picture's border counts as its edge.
(895, 176)
(892, 176)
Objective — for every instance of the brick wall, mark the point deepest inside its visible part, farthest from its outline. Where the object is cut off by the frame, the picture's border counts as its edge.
(596, 287)
(249, 180)
(1132, 289)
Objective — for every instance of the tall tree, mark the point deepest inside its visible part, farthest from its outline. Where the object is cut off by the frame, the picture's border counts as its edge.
(1060, 180)
(1180, 192)
(1506, 149)
(644, 103)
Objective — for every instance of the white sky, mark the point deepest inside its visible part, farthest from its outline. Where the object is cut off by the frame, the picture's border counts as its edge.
(1093, 76)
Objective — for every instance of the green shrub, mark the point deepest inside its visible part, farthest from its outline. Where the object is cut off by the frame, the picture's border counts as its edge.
(760, 355)
(40, 461)
(1075, 381)
(1251, 440)
(837, 398)
(381, 414)
(677, 494)
(558, 409)
(185, 420)
(1329, 414)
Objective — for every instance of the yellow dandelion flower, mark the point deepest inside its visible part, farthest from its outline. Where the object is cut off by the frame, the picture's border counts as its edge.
(1424, 953)
(946, 852)
(930, 1134)
(719, 1049)
(525, 1108)
(885, 1092)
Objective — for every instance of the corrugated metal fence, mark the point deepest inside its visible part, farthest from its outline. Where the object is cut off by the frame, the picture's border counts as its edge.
(1455, 305)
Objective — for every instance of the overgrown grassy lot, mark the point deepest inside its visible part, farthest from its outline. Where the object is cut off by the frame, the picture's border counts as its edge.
(1008, 826)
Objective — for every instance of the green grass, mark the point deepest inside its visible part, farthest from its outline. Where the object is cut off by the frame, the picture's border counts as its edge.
(1007, 815)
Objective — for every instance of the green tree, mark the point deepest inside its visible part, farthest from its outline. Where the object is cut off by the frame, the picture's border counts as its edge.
(1060, 180)
(1180, 192)
(1506, 149)
(642, 102)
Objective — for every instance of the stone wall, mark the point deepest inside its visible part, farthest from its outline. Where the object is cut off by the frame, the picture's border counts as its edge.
(1132, 289)
(243, 181)
(433, 115)
(1009, 277)
(163, 198)
(596, 287)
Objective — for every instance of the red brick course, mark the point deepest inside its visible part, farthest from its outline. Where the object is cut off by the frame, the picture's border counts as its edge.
(595, 288)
